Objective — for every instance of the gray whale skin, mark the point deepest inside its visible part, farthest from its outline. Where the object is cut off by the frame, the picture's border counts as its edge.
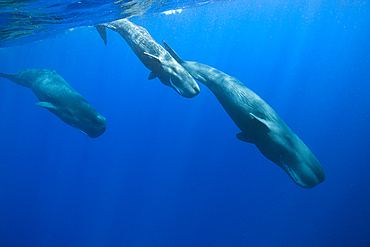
(259, 124)
(56, 95)
(153, 56)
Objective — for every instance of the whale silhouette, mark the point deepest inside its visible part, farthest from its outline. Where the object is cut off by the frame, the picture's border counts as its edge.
(153, 56)
(56, 95)
(259, 124)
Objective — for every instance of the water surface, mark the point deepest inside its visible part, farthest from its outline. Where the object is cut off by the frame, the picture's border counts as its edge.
(169, 170)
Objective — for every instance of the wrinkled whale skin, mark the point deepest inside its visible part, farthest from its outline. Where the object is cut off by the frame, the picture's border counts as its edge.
(153, 56)
(259, 124)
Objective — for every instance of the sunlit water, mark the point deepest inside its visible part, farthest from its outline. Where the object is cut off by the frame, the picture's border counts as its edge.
(169, 171)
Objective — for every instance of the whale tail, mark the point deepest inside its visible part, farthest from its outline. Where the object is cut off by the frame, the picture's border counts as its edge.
(8, 76)
(21, 77)
(172, 53)
(103, 33)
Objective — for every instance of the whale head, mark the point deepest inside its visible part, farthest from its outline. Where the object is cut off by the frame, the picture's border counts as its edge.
(79, 114)
(300, 164)
(172, 74)
(281, 145)
(88, 121)
(92, 127)
(181, 81)
(289, 152)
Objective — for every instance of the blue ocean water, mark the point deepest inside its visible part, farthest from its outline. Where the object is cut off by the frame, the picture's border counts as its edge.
(169, 170)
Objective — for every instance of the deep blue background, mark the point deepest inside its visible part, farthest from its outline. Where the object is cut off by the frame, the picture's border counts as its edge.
(169, 171)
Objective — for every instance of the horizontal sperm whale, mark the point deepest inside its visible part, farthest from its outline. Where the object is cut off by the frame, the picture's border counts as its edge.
(259, 124)
(153, 56)
(56, 95)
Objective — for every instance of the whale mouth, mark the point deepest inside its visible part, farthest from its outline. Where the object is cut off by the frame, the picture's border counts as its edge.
(74, 126)
(294, 177)
(174, 87)
(290, 173)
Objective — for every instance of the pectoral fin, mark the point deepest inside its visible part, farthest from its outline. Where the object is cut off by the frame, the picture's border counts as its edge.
(261, 122)
(46, 105)
(152, 75)
(152, 56)
(244, 137)
(103, 33)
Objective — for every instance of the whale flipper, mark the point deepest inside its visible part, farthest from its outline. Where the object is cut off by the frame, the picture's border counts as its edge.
(152, 75)
(172, 53)
(8, 76)
(244, 137)
(103, 33)
(261, 122)
(47, 105)
(153, 57)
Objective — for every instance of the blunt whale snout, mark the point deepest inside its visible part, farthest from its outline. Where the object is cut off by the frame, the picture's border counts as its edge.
(87, 120)
(305, 173)
(98, 128)
(184, 85)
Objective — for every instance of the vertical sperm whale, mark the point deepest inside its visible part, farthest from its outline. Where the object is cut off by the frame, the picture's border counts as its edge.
(153, 56)
(56, 95)
(259, 124)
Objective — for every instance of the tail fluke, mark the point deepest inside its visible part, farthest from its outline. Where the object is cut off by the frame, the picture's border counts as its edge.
(7, 76)
(172, 53)
(17, 78)
(103, 33)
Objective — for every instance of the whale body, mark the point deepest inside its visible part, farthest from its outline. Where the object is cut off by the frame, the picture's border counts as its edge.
(56, 95)
(153, 56)
(259, 124)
